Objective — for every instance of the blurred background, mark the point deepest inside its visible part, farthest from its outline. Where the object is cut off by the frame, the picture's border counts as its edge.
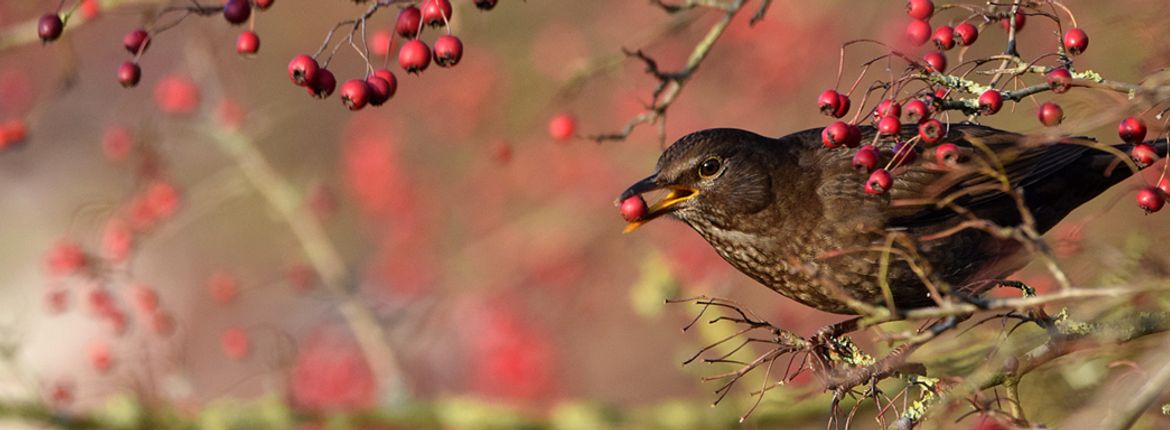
(164, 246)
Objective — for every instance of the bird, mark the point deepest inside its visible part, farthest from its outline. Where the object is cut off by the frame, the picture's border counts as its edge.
(794, 215)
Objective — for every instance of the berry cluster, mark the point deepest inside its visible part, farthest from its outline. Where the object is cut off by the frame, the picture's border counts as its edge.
(414, 56)
(926, 91)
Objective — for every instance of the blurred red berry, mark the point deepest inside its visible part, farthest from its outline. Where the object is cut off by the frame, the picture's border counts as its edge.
(1058, 79)
(323, 84)
(223, 287)
(990, 102)
(162, 199)
(1150, 200)
(301, 276)
(633, 208)
(129, 74)
(1005, 22)
(414, 56)
(1050, 114)
(116, 143)
(408, 22)
(302, 69)
(237, 12)
(920, 9)
(1076, 41)
(944, 37)
(12, 132)
(1132, 130)
(161, 323)
(330, 374)
(436, 13)
(247, 43)
(448, 51)
(879, 182)
(561, 127)
(145, 299)
(502, 152)
(176, 94)
(100, 357)
(65, 258)
(967, 33)
(90, 9)
(1143, 154)
(229, 114)
(57, 300)
(380, 43)
(321, 201)
(117, 241)
(263, 4)
(136, 41)
(355, 94)
(50, 27)
(235, 343)
(99, 300)
(61, 393)
(918, 32)
(1164, 186)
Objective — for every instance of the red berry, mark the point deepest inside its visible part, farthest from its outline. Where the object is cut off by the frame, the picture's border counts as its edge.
(1005, 22)
(1164, 186)
(835, 134)
(887, 107)
(1143, 154)
(237, 11)
(633, 208)
(947, 154)
(90, 9)
(866, 159)
(117, 241)
(854, 138)
(829, 102)
(1058, 79)
(263, 4)
(408, 22)
(136, 41)
(235, 343)
(57, 300)
(176, 94)
(448, 51)
(99, 356)
(65, 258)
(918, 32)
(223, 287)
(390, 79)
(248, 43)
(436, 13)
(379, 90)
(944, 37)
(485, 4)
(967, 33)
(1050, 114)
(302, 70)
(931, 131)
(990, 102)
(49, 27)
(116, 143)
(561, 127)
(414, 57)
(879, 182)
(355, 94)
(842, 105)
(323, 84)
(917, 110)
(144, 298)
(1076, 41)
(936, 61)
(920, 9)
(1150, 200)
(129, 74)
(1132, 130)
(380, 43)
(889, 125)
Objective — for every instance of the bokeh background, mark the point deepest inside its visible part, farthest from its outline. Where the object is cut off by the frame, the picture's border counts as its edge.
(489, 254)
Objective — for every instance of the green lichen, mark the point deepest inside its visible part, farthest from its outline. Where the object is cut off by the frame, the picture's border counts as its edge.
(928, 387)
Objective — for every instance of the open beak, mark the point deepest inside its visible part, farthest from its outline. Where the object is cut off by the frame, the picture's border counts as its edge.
(678, 194)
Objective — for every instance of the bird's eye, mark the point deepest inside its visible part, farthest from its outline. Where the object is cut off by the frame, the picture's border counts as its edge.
(709, 168)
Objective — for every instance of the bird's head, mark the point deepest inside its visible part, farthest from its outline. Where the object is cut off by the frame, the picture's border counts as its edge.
(712, 176)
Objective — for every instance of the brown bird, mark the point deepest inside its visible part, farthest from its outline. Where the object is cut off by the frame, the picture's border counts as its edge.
(795, 216)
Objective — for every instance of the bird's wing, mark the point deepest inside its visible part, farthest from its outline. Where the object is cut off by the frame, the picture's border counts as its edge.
(995, 161)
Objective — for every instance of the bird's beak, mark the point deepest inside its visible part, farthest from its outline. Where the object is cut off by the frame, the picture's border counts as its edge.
(678, 194)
